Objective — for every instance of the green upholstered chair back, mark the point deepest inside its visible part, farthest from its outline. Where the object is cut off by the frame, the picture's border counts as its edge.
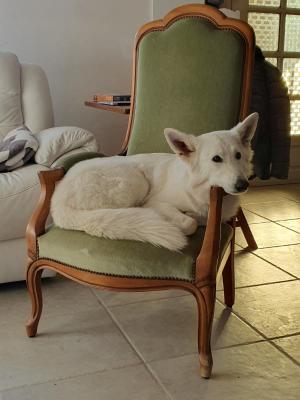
(192, 72)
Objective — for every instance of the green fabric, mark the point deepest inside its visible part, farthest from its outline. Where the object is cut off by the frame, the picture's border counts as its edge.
(123, 257)
(189, 77)
(68, 162)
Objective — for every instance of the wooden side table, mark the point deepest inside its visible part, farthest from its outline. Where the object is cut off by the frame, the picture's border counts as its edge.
(99, 106)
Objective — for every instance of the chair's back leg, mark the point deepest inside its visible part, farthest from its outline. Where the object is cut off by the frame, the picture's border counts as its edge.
(228, 273)
(228, 281)
(33, 280)
(243, 223)
(206, 297)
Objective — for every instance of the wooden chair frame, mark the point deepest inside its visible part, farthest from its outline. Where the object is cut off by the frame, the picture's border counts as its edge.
(208, 269)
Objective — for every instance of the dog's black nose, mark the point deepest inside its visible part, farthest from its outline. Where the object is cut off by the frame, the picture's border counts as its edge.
(241, 185)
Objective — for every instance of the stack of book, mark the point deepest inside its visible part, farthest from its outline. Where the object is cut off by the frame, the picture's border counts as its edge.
(113, 99)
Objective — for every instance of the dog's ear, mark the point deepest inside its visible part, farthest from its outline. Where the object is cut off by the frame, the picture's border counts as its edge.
(247, 128)
(181, 143)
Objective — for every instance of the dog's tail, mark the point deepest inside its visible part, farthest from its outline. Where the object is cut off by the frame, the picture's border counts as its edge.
(142, 224)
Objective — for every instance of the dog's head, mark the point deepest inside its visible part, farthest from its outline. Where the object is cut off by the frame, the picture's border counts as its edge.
(221, 158)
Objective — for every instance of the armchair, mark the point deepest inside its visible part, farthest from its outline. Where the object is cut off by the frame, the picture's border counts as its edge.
(24, 100)
(192, 71)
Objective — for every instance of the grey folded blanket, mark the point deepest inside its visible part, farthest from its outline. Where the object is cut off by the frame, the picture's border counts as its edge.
(17, 148)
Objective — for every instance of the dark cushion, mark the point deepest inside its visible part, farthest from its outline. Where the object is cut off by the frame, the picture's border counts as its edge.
(189, 77)
(17, 148)
(124, 258)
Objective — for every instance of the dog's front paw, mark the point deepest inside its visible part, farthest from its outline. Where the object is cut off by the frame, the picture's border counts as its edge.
(189, 226)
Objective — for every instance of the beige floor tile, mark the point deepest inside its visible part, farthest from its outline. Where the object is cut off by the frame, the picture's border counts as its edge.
(237, 247)
(168, 328)
(67, 345)
(272, 309)
(277, 210)
(285, 257)
(268, 235)
(261, 195)
(256, 371)
(291, 224)
(229, 330)
(111, 298)
(291, 345)
(132, 383)
(252, 270)
(60, 296)
(291, 192)
(253, 218)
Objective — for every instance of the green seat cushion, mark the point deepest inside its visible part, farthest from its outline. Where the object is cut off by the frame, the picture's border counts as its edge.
(124, 258)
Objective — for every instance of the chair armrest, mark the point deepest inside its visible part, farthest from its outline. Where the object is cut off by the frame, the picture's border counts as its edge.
(37, 221)
(207, 260)
(48, 179)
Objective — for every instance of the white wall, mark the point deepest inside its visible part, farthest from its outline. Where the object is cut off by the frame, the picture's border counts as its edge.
(162, 7)
(85, 46)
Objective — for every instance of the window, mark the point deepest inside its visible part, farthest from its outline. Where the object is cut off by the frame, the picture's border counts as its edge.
(277, 27)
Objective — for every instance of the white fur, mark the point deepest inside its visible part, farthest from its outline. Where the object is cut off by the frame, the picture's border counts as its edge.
(157, 198)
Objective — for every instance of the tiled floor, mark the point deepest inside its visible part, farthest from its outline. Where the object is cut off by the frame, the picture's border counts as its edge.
(102, 345)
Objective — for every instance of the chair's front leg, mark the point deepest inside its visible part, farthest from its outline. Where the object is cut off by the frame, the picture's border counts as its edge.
(205, 287)
(205, 297)
(33, 280)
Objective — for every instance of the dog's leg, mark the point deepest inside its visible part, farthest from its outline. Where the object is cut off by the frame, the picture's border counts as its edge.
(185, 223)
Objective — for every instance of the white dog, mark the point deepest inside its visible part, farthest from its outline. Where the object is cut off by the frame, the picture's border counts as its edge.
(157, 198)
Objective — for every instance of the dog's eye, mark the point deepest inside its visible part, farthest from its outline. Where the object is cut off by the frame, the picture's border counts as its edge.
(238, 155)
(217, 159)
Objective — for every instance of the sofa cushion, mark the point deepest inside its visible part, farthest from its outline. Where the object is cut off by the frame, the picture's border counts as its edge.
(19, 192)
(124, 258)
(17, 148)
(10, 93)
(54, 142)
(35, 98)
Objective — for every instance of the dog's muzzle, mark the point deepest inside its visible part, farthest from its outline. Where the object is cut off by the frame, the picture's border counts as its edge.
(241, 185)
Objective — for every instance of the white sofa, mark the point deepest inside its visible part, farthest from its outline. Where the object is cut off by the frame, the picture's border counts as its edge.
(24, 99)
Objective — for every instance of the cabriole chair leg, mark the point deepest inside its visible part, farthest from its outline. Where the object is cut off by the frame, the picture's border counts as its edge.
(205, 297)
(34, 287)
